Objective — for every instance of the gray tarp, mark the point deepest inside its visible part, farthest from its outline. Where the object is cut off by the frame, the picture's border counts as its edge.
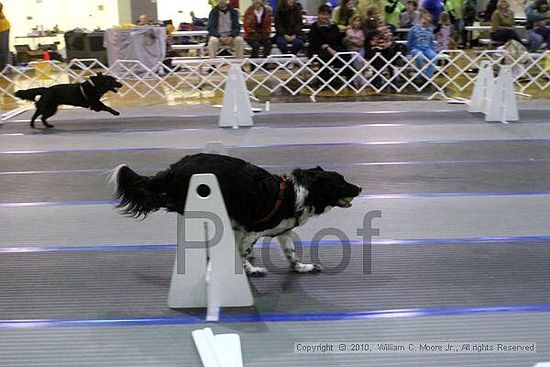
(145, 44)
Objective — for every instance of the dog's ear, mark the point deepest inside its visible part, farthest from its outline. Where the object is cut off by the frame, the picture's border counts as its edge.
(318, 168)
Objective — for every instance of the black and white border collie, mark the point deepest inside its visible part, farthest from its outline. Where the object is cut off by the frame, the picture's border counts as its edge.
(258, 203)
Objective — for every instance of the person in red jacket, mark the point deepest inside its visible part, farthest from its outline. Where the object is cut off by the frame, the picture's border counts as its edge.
(257, 28)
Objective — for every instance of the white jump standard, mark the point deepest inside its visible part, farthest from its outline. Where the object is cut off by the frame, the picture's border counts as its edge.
(207, 271)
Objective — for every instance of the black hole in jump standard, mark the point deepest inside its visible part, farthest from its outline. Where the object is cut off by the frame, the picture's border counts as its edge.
(203, 190)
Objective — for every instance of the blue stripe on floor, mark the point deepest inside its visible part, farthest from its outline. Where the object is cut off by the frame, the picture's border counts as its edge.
(57, 203)
(486, 141)
(90, 248)
(360, 197)
(291, 166)
(452, 194)
(324, 243)
(264, 125)
(297, 317)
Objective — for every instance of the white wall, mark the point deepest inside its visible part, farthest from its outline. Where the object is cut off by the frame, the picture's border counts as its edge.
(67, 14)
(243, 4)
(178, 10)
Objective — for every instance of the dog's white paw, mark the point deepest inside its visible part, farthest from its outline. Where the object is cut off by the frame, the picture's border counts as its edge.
(256, 271)
(306, 268)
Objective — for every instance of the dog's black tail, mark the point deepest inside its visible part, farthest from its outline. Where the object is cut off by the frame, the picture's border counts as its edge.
(30, 94)
(138, 194)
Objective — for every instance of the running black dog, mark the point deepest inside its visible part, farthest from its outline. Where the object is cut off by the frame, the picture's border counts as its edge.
(86, 94)
(258, 203)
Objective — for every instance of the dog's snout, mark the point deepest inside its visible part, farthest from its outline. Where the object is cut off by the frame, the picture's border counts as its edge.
(359, 189)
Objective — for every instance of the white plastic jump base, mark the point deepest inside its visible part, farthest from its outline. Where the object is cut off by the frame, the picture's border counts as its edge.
(222, 350)
(236, 110)
(208, 270)
(214, 147)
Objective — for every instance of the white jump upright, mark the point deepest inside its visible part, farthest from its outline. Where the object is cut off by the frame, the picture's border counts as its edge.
(208, 270)
(237, 109)
(484, 89)
(503, 106)
(494, 97)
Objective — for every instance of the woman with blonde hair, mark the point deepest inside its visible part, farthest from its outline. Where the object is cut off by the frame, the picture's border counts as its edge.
(4, 38)
(378, 35)
(343, 14)
(363, 5)
(502, 23)
(373, 12)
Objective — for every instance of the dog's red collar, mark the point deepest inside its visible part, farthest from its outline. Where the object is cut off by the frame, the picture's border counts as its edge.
(283, 180)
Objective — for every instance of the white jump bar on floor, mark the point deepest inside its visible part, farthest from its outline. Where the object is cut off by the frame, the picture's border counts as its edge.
(222, 350)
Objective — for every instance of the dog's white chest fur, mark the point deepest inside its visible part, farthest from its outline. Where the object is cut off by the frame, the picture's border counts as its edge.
(284, 225)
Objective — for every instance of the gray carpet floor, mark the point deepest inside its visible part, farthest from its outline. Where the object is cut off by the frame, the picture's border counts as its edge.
(462, 253)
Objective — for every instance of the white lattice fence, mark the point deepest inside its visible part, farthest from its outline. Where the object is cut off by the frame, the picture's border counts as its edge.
(454, 70)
